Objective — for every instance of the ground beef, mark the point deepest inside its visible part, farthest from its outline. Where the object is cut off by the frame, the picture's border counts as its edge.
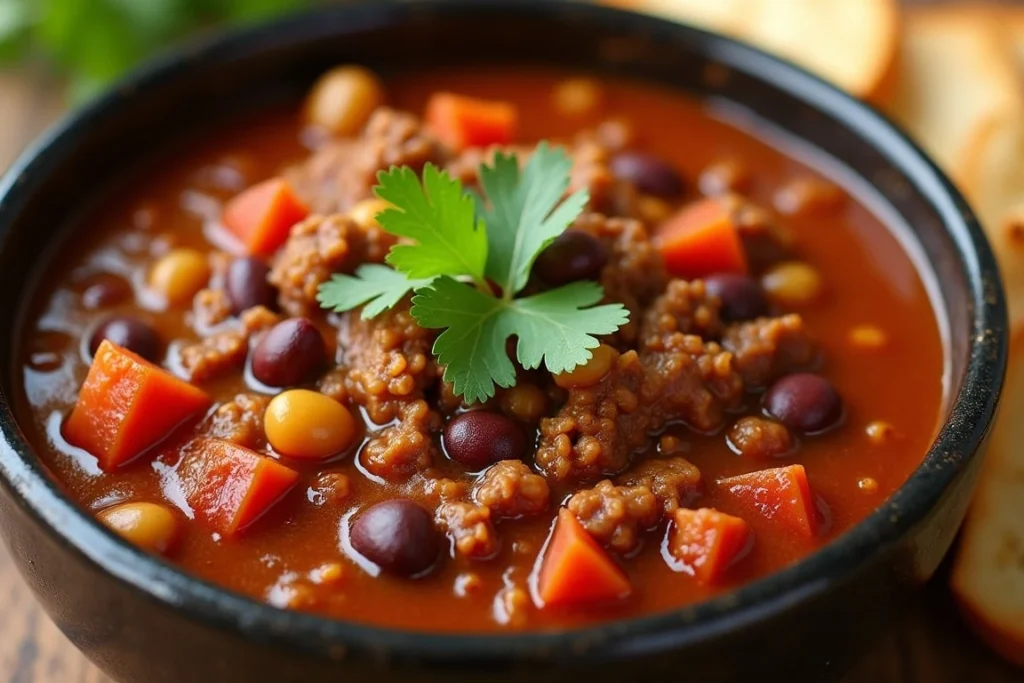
(225, 351)
(511, 489)
(693, 381)
(759, 438)
(399, 451)
(675, 482)
(591, 171)
(330, 488)
(437, 490)
(389, 360)
(685, 307)
(240, 420)
(258, 319)
(210, 307)
(599, 428)
(215, 356)
(615, 515)
(343, 172)
(317, 248)
(333, 384)
(470, 529)
(766, 348)
(635, 273)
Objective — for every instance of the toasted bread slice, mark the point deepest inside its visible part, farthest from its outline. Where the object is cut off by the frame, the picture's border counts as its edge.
(849, 42)
(988, 575)
(953, 78)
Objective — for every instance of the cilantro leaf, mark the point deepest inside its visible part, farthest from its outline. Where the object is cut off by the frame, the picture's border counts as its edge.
(439, 217)
(377, 286)
(524, 215)
(556, 328)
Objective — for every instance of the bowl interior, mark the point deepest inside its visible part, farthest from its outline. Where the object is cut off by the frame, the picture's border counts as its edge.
(182, 92)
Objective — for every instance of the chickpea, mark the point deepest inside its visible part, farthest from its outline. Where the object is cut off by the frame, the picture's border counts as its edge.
(599, 365)
(365, 212)
(151, 527)
(868, 485)
(793, 284)
(576, 97)
(525, 402)
(880, 432)
(343, 99)
(868, 337)
(307, 425)
(179, 274)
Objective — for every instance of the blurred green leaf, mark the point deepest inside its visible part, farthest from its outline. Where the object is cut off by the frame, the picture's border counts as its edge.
(96, 41)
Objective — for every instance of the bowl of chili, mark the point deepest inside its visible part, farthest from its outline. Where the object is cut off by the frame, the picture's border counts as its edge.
(703, 356)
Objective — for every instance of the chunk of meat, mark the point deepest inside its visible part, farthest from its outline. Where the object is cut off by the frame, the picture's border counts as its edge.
(210, 307)
(239, 421)
(344, 172)
(767, 348)
(686, 307)
(470, 529)
(317, 248)
(330, 488)
(691, 381)
(215, 356)
(389, 359)
(635, 273)
(616, 515)
(225, 351)
(599, 427)
(759, 438)
(399, 451)
(511, 489)
(675, 482)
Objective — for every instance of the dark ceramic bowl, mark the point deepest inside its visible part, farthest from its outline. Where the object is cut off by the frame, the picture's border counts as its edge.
(143, 621)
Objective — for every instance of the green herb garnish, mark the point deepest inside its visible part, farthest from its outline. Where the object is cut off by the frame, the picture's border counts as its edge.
(459, 245)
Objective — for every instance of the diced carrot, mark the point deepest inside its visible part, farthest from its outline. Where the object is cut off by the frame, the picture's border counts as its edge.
(576, 570)
(229, 486)
(782, 495)
(263, 215)
(707, 542)
(461, 122)
(701, 240)
(127, 405)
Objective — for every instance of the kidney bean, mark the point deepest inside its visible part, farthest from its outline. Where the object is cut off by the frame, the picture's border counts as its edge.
(481, 438)
(289, 353)
(129, 332)
(398, 536)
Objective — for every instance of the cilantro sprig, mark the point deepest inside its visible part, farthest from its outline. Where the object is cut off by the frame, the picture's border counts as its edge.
(457, 246)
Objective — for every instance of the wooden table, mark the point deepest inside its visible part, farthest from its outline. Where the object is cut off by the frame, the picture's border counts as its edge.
(930, 646)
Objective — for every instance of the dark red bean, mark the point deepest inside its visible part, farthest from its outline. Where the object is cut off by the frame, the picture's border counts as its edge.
(805, 402)
(129, 332)
(648, 173)
(574, 255)
(480, 438)
(742, 297)
(247, 286)
(105, 289)
(289, 353)
(398, 536)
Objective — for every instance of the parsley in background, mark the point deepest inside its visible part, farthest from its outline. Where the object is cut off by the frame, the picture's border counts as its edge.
(93, 42)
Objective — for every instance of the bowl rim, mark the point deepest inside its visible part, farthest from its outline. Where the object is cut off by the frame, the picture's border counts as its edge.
(24, 478)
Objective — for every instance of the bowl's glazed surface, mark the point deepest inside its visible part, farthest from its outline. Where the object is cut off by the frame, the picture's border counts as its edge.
(142, 620)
